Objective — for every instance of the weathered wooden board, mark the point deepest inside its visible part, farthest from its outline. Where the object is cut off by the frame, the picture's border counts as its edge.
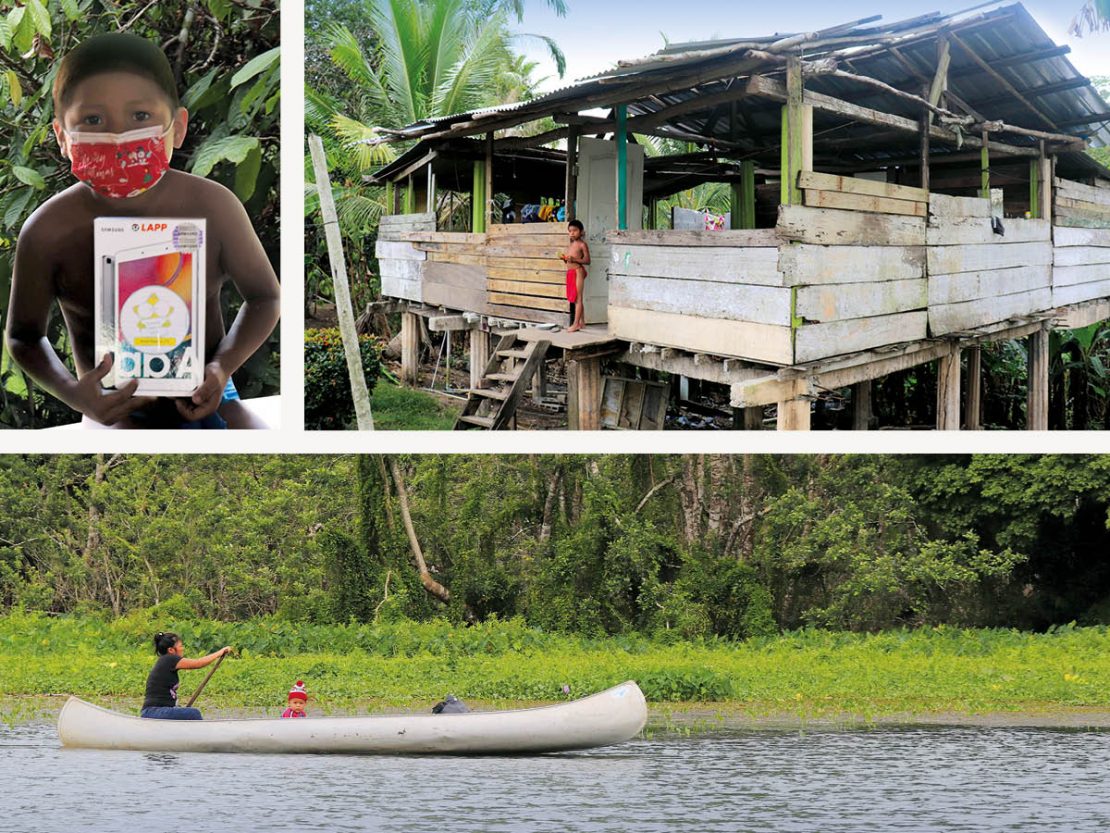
(968, 286)
(545, 290)
(706, 299)
(515, 230)
(1072, 275)
(530, 301)
(855, 185)
(718, 336)
(949, 318)
(1080, 255)
(459, 237)
(1079, 219)
(747, 266)
(807, 264)
(425, 222)
(386, 250)
(1084, 207)
(742, 238)
(820, 341)
(453, 297)
(451, 257)
(456, 275)
(943, 260)
(455, 247)
(1079, 191)
(399, 287)
(962, 231)
(840, 302)
(412, 270)
(539, 316)
(1062, 295)
(525, 248)
(829, 226)
(534, 275)
(1063, 236)
(861, 202)
(945, 207)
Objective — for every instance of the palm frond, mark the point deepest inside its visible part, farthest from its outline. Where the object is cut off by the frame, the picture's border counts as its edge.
(353, 135)
(553, 49)
(467, 84)
(346, 53)
(398, 27)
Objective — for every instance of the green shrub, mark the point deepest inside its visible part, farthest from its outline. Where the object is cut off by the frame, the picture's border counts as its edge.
(328, 404)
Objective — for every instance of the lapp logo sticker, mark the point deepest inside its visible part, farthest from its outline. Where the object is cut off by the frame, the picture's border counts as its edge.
(149, 226)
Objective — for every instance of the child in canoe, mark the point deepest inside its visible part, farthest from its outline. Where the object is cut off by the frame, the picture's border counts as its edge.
(161, 684)
(297, 698)
(115, 98)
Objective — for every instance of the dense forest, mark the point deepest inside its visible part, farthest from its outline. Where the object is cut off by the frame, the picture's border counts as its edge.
(693, 546)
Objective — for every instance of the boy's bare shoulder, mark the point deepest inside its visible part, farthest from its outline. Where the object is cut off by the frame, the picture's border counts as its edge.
(203, 193)
(53, 221)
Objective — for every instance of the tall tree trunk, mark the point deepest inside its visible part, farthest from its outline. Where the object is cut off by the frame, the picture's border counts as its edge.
(94, 544)
(692, 498)
(547, 521)
(430, 584)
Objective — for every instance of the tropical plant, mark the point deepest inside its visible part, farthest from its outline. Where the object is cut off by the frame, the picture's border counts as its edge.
(1094, 16)
(225, 57)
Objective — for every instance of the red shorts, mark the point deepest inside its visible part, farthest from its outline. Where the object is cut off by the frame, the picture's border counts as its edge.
(572, 285)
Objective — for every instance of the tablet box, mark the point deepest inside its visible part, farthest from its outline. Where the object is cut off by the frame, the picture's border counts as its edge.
(149, 297)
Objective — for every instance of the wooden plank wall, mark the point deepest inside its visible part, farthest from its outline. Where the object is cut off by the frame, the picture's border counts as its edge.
(978, 277)
(1081, 254)
(717, 292)
(400, 264)
(524, 277)
(854, 257)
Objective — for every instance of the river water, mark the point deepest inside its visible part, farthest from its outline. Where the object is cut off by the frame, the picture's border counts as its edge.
(888, 779)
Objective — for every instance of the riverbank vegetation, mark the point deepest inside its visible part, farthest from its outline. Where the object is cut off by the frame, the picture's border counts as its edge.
(801, 674)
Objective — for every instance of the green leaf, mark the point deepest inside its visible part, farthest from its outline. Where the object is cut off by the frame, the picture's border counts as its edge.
(5, 34)
(220, 8)
(260, 87)
(40, 17)
(71, 10)
(14, 88)
(23, 31)
(230, 149)
(198, 89)
(15, 211)
(29, 176)
(246, 175)
(257, 64)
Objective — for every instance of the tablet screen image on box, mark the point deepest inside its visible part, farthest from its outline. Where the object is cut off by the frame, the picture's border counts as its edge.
(150, 304)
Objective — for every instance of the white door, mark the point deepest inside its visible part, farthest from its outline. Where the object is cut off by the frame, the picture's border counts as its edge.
(597, 209)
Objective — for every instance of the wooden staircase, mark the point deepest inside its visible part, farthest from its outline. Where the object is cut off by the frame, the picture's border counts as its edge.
(510, 369)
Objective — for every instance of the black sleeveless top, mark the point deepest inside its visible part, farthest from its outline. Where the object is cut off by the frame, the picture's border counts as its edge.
(161, 685)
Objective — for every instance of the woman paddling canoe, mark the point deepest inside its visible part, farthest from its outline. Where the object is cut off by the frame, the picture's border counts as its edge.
(161, 684)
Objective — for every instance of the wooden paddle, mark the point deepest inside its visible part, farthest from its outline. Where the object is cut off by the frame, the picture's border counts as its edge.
(200, 688)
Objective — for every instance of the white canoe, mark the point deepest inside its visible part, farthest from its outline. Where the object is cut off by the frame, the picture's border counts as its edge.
(607, 717)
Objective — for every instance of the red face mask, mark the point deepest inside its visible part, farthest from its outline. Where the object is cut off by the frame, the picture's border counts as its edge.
(119, 165)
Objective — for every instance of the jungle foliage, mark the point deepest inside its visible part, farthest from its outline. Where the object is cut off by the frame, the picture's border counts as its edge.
(226, 58)
(672, 547)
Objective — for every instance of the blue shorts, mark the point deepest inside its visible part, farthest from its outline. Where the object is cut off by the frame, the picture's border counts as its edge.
(170, 713)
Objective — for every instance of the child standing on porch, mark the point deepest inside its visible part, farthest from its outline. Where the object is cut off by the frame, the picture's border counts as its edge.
(576, 257)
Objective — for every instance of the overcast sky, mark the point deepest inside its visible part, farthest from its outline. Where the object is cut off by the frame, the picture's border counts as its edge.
(594, 35)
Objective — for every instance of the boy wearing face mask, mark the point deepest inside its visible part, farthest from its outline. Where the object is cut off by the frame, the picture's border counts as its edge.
(118, 120)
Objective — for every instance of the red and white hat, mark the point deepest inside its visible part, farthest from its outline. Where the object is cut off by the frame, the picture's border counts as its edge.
(297, 692)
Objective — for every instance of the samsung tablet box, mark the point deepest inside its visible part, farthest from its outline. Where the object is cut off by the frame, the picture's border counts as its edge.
(150, 302)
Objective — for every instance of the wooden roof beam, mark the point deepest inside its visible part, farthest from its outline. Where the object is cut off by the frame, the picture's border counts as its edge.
(987, 68)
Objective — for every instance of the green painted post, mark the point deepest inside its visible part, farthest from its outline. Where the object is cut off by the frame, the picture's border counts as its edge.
(478, 198)
(747, 195)
(410, 197)
(1035, 188)
(985, 169)
(389, 197)
(622, 166)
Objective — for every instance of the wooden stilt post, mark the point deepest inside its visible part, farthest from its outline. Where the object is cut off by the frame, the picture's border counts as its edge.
(622, 166)
(861, 406)
(479, 355)
(753, 418)
(572, 170)
(1037, 403)
(410, 196)
(539, 383)
(351, 348)
(973, 419)
(410, 347)
(793, 415)
(797, 134)
(948, 391)
(584, 394)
